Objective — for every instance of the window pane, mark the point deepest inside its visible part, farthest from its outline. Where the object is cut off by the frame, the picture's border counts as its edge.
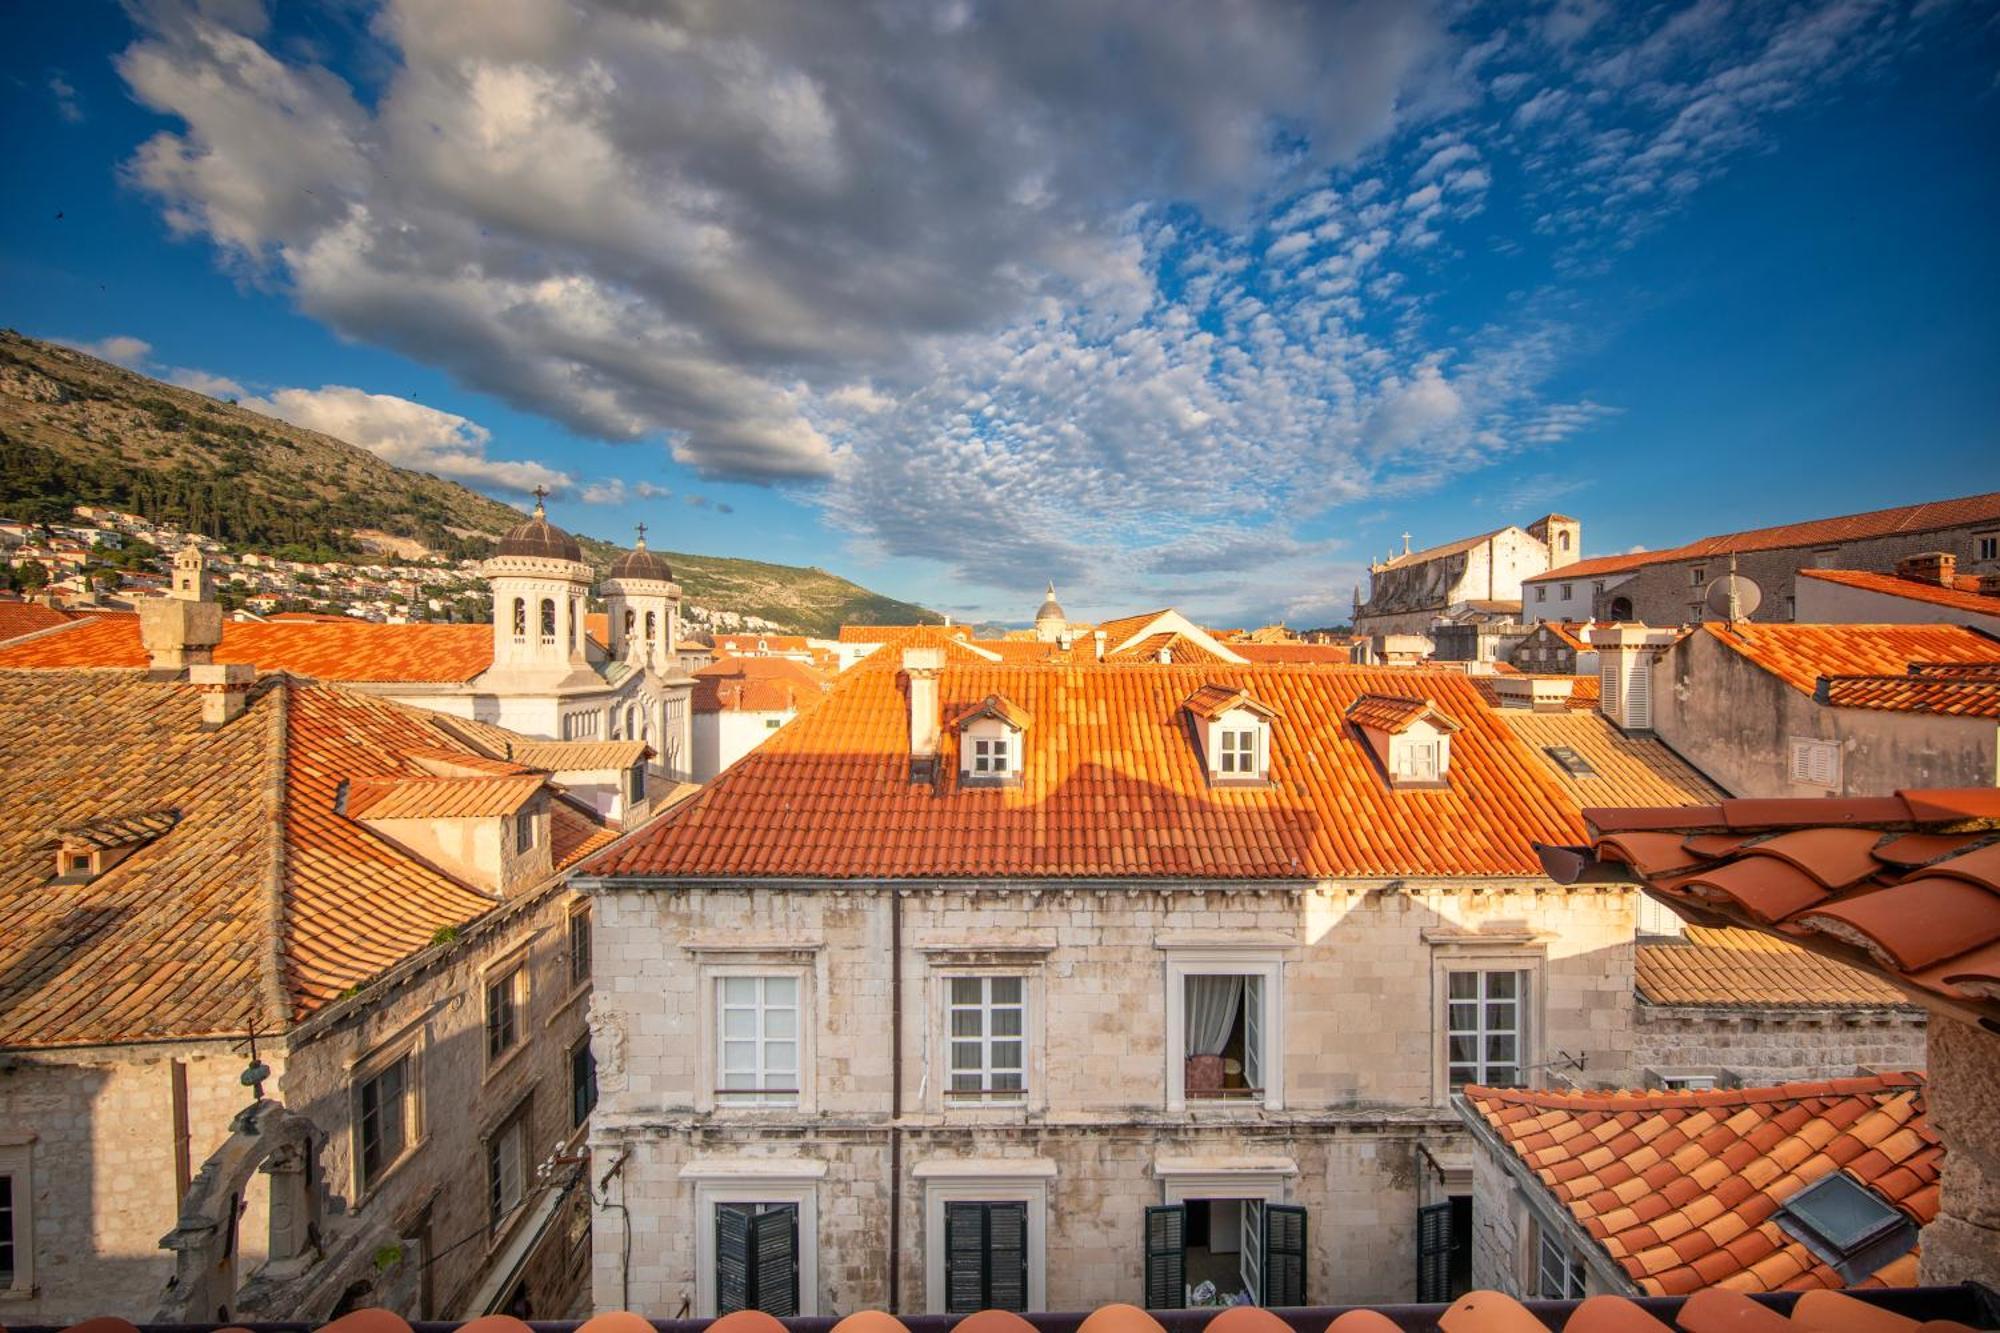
(1463, 1049)
(965, 1055)
(1502, 1076)
(1500, 1049)
(1006, 1055)
(1006, 990)
(1006, 1022)
(781, 1022)
(965, 990)
(1500, 1016)
(739, 1055)
(1464, 985)
(1007, 1082)
(781, 990)
(739, 1022)
(1464, 1017)
(965, 1082)
(779, 1057)
(739, 990)
(739, 1079)
(965, 1023)
(1499, 985)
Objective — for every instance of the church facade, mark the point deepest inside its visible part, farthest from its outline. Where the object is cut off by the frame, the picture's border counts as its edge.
(1481, 575)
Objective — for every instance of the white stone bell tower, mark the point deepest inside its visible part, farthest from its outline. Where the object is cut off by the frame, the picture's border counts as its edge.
(541, 587)
(644, 604)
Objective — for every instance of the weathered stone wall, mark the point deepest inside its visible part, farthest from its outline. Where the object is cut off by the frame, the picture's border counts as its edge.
(1777, 1045)
(98, 1129)
(1361, 1046)
(1498, 1219)
(1735, 722)
(1963, 1102)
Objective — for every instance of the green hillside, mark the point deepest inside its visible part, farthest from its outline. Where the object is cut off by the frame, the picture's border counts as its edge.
(77, 430)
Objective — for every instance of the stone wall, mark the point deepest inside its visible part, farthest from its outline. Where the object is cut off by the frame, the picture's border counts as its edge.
(1498, 1219)
(1963, 1103)
(1762, 1046)
(1361, 1052)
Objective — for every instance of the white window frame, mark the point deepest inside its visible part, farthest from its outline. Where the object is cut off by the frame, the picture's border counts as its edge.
(1265, 963)
(992, 756)
(518, 1120)
(948, 1004)
(1482, 1003)
(1000, 1180)
(1230, 750)
(371, 1066)
(755, 1180)
(1479, 956)
(760, 1007)
(709, 1018)
(1574, 1275)
(17, 1160)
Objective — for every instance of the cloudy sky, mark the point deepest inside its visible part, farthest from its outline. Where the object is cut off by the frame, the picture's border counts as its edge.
(1197, 302)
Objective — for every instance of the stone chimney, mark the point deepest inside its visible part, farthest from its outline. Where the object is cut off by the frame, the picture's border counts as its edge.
(1625, 656)
(1097, 638)
(1938, 568)
(178, 633)
(225, 690)
(920, 673)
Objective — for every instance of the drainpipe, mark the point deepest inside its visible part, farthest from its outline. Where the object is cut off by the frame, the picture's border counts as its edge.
(895, 1100)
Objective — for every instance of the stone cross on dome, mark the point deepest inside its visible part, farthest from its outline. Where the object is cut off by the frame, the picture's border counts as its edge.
(640, 544)
(541, 493)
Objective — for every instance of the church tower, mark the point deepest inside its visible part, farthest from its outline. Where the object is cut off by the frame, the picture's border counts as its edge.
(191, 578)
(1050, 622)
(540, 586)
(644, 604)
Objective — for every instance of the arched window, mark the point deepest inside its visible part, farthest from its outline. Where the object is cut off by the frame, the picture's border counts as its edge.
(548, 620)
(520, 618)
(575, 614)
(1562, 541)
(1621, 608)
(631, 719)
(631, 622)
(652, 629)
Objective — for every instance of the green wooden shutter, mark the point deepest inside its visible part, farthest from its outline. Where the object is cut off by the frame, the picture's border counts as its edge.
(1434, 1254)
(732, 1258)
(774, 1236)
(986, 1257)
(964, 1258)
(1166, 1257)
(1007, 1256)
(1284, 1255)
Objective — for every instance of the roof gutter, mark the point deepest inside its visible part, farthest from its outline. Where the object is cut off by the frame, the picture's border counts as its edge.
(1180, 883)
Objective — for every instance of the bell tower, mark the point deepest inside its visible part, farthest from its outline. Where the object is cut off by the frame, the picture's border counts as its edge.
(540, 588)
(644, 604)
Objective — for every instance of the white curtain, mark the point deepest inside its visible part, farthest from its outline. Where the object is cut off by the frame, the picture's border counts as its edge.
(1211, 1012)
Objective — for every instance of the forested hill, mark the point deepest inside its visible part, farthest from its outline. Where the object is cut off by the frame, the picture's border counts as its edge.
(78, 430)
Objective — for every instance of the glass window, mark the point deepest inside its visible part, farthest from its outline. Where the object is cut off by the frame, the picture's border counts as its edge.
(1485, 1027)
(7, 1239)
(990, 756)
(385, 1120)
(1239, 752)
(582, 1083)
(1541, 592)
(1697, 576)
(507, 1168)
(1223, 1025)
(524, 832)
(1558, 1273)
(1989, 548)
(757, 1034)
(503, 1014)
(1568, 591)
(579, 945)
(988, 1035)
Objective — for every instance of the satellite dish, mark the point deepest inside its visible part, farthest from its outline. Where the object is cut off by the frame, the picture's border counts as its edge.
(1733, 597)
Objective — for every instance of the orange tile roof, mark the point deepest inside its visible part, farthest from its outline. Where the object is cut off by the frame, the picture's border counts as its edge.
(885, 633)
(1927, 517)
(190, 935)
(1800, 654)
(18, 618)
(1303, 654)
(1111, 786)
(1728, 967)
(440, 798)
(957, 646)
(1957, 598)
(572, 756)
(1178, 647)
(1906, 887)
(993, 705)
(1635, 770)
(1680, 1188)
(353, 651)
(1396, 713)
(750, 644)
(1950, 696)
(757, 685)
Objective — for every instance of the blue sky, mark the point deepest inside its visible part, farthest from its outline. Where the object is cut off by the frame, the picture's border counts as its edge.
(1167, 302)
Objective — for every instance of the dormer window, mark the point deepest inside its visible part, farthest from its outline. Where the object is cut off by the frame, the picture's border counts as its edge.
(989, 741)
(1233, 730)
(85, 851)
(1410, 738)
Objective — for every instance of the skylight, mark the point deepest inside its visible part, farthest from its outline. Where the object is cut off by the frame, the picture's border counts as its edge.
(1573, 763)
(1847, 1225)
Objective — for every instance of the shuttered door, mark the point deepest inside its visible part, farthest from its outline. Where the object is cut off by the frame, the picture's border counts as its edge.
(986, 1257)
(756, 1259)
(1284, 1255)
(1434, 1254)
(1166, 1257)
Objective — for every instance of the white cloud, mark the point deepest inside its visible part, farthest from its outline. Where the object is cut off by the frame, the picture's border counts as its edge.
(67, 104)
(616, 490)
(407, 434)
(215, 386)
(119, 349)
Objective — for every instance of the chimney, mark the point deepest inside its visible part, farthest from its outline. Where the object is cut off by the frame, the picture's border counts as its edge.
(1625, 656)
(1097, 638)
(1989, 585)
(178, 634)
(920, 670)
(225, 690)
(1939, 568)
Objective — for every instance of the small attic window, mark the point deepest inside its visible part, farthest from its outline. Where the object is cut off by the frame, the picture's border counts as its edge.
(1233, 730)
(85, 851)
(989, 742)
(1847, 1225)
(1570, 761)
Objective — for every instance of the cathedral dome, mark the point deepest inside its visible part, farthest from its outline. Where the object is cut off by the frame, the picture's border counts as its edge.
(1051, 608)
(541, 538)
(640, 563)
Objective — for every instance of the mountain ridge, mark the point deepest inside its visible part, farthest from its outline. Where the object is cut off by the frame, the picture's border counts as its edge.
(76, 429)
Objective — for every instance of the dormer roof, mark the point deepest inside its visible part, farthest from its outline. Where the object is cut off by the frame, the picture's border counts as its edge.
(993, 705)
(113, 832)
(440, 798)
(1212, 701)
(1397, 713)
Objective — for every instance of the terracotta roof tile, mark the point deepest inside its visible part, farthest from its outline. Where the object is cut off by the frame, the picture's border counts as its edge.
(757, 684)
(1110, 754)
(1396, 713)
(1748, 1150)
(1800, 654)
(1958, 599)
(1638, 769)
(1297, 654)
(19, 618)
(1926, 919)
(1729, 967)
(1947, 696)
(440, 798)
(351, 651)
(572, 756)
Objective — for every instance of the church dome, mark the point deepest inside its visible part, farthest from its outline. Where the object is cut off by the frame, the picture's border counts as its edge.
(1051, 608)
(640, 563)
(541, 538)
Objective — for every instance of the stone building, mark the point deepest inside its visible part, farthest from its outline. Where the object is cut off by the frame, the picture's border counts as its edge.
(1818, 710)
(1903, 887)
(1056, 984)
(1556, 648)
(741, 702)
(535, 670)
(1407, 593)
(366, 899)
(1670, 587)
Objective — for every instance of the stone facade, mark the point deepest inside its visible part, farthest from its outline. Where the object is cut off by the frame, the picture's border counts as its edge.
(95, 1126)
(1408, 592)
(1736, 722)
(1753, 1047)
(1963, 1243)
(1359, 1099)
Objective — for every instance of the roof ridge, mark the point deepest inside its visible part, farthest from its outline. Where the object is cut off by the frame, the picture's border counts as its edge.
(275, 984)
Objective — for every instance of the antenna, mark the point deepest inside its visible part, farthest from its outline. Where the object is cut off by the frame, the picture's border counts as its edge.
(1733, 596)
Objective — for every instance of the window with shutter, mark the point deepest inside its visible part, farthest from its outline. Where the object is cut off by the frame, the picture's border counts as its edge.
(986, 1257)
(757, 1258)
(1284, 1255)
(1434, 1254)
(1816, 763)
(1166, 1257)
